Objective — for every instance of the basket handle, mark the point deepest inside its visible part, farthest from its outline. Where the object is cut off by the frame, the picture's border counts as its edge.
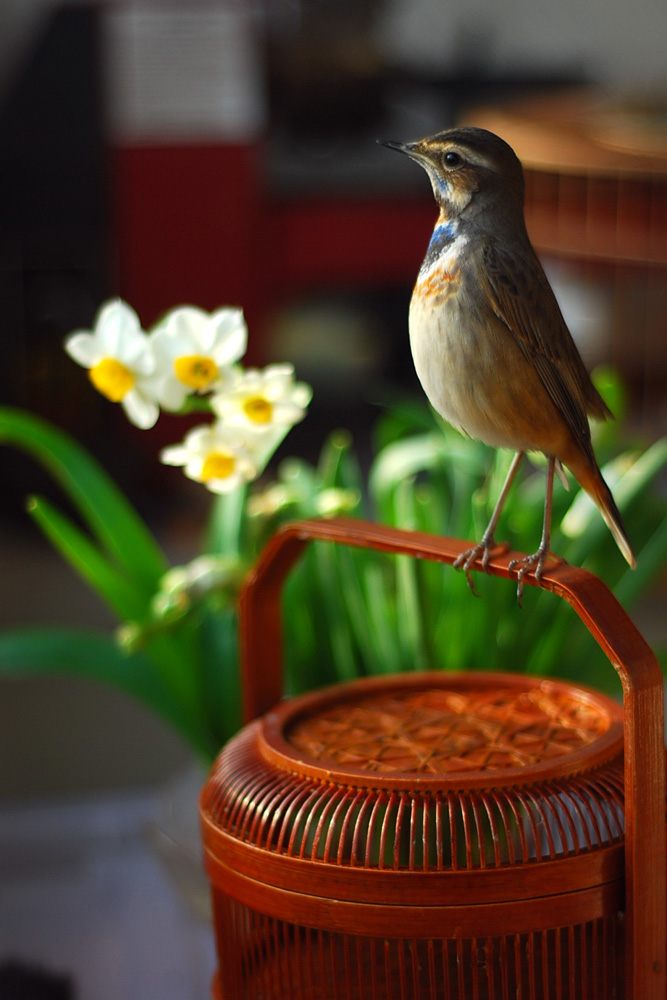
(609, 624)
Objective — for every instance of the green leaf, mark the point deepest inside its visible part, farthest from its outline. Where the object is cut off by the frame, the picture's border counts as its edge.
(174, 655)
(410, 618)
(103, 507)
(332, 456)
(332, 593)
(398, 461)
(121, 594)
(33, 651)
(607, 382)
(405, 416)
(355, 568)
(220, 671)
(650, 562)
(224, 535)
(381, 612)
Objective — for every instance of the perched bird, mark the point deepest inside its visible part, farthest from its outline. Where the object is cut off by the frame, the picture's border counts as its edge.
(489, 342)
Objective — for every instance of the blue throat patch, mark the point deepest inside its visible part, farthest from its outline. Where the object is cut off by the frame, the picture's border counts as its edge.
(443, 236)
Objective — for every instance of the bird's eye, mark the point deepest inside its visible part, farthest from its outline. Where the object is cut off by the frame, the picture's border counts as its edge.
(452, 159)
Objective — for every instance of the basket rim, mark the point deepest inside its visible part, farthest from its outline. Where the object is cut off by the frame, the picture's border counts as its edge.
(276, 748)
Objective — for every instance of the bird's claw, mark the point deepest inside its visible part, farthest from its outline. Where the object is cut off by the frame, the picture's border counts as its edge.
(534, 562)
(468, 558)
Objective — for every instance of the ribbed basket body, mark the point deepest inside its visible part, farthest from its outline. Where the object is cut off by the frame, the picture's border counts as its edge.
(419, 837)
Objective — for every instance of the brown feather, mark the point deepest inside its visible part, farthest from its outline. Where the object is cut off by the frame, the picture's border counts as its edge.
(522, 298)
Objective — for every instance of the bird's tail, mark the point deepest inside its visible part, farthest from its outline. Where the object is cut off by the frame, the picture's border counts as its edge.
(592, 481)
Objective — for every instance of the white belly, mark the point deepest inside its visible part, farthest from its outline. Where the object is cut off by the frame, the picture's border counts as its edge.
(457, 360)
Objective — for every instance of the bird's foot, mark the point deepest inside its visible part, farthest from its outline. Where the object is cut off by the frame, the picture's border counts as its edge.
(526, 564)
(468, 558)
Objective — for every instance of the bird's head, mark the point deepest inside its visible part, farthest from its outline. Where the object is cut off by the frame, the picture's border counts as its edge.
(471, 171)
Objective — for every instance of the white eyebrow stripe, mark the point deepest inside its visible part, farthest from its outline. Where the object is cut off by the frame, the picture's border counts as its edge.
(472, 156)
(467, 153)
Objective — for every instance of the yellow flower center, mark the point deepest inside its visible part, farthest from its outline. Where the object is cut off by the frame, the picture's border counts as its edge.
(196, 371)
(258, 409)
(112, 379)
(217, 465)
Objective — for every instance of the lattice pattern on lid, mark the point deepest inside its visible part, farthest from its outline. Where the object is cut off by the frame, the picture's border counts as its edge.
(442, 731)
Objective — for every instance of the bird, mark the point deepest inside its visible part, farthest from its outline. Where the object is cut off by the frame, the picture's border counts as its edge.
(488, 339)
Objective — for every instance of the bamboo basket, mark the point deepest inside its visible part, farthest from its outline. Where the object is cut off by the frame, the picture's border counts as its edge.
(438, 836)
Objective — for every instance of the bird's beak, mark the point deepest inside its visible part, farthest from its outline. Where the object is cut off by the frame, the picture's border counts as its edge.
(391, 144)
(401, 147)
(409, 148)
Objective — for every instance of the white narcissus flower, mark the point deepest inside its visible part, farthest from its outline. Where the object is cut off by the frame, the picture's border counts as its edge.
(332, 502)
(194, 349)
(271, 500)
(119, 359)
(202, 575)
(205, 575)
(214, 455)
(263, 402)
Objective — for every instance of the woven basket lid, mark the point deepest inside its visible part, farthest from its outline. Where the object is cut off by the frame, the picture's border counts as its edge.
(427, 771)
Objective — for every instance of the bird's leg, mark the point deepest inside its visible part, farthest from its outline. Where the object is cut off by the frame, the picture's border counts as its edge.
(488, 543)
(538, 558)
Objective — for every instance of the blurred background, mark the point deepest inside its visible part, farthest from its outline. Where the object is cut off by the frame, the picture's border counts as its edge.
(224, 153)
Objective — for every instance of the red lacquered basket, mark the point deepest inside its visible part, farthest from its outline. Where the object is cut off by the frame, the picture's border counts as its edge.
(437, 836)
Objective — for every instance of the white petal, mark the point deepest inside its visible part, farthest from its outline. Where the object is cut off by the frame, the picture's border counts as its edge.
(115, 322)
(229, 336)
(277, 381)
(278, 372)
(286, 412)
(265, 443)
(223, 485)
(136, 352)
(161, 342)
(187, 325)
(84, 349)
(169, 344)
(174, 454)
(302, 394)
(248, 382)
(200, 440)
(244, 473)
(142, 412)
(226, 435)
(169, 392)
(220, 404)
(193, 468)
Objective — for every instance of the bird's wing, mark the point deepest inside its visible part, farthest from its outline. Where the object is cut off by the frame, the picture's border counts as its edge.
(521, 296)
